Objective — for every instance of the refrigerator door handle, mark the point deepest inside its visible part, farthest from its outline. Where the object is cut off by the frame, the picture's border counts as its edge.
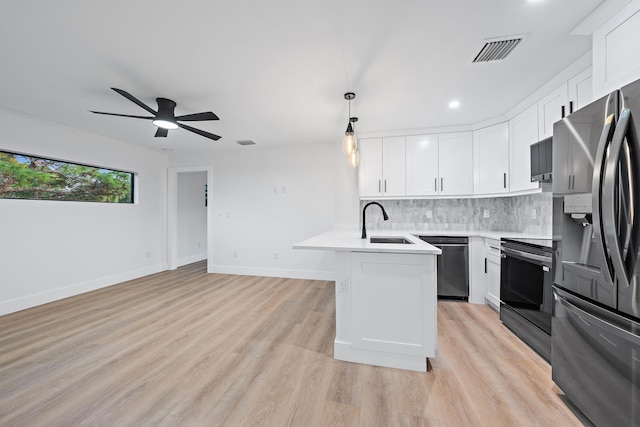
(614, 203)
(599, 169)
(587, 317)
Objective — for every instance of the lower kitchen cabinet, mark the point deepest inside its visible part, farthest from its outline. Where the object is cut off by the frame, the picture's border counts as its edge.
(492, 272)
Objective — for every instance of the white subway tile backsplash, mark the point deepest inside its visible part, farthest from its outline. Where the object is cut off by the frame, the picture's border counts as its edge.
(512, 213)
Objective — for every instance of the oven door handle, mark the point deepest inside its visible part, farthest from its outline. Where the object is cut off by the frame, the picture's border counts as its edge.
(526, 256)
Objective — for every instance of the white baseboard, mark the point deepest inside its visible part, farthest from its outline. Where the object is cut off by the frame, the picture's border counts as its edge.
(345, 351)
(273, 272)
(30, 301)
(191, 259)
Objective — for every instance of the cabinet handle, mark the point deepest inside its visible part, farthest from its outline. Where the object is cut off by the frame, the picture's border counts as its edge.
(435, 183)
(573, 182)
(385, 185)
(441, 184)
(504, 178)
(569, 187)
(570, 107)
(485, 266)
(379, 186)
(562, 111)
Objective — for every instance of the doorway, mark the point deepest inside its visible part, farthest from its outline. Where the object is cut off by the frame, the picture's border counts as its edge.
(181, 249)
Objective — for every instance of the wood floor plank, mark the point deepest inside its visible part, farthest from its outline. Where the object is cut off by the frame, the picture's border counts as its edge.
(194, 349)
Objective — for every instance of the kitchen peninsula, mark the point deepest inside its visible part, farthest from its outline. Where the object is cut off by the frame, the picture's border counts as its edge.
(385, 297)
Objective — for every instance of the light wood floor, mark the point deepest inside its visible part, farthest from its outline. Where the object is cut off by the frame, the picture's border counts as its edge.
(194, 349)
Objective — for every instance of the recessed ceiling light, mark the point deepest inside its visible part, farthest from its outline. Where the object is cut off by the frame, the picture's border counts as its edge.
(454, 104)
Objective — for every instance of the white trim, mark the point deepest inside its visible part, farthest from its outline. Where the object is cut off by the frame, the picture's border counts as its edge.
(30, 301)
(598, 17)
(345, 351)
(561, 78)
(172, 214)
(273, 272)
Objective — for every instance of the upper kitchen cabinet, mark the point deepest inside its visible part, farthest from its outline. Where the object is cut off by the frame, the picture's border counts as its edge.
(523, 131)
(491, 159)
(455, 163)
(580, 90)
(382, 167)
(616, 57)
(370, 169)
(552, 108)
(422, 165)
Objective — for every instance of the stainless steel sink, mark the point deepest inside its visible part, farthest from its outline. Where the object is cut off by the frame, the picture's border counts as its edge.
(394, 240)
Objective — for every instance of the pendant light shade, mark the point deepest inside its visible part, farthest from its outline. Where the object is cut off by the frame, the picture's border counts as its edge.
(349, 140)
(354, 158)
(349, 144)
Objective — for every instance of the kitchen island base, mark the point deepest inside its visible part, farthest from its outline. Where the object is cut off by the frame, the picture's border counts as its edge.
(386, 309)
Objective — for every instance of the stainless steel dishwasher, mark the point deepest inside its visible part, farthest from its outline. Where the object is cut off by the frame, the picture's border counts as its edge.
(453, 266)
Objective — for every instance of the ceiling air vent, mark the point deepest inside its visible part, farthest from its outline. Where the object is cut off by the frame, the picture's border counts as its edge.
(246, 142)
(497, 49)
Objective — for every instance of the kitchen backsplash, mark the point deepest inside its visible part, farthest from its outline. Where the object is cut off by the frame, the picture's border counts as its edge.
(513, 213)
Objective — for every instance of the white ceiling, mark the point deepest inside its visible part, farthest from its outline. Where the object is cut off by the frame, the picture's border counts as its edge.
(275, 71)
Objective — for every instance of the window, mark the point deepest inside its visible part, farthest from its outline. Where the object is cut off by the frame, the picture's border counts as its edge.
(24, 176)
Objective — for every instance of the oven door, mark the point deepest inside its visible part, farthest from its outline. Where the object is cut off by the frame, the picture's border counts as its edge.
(526, 285)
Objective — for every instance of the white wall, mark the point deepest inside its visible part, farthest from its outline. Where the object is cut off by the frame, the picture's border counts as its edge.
(265, 200)
(191, 217)
(49, 249)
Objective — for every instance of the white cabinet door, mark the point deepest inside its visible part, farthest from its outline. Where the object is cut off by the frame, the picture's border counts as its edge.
(550, 110)
(370, 169)
(616, 57)
(491, 159)
(393, 166)
(422, 165)
(393, 302)
(580, 89)
(456, 163)
(492, 272)
(523, 131)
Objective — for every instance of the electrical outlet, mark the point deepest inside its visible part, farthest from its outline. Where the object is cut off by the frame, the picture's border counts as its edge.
(429, 214)
(486, 213)
(343, 285)
(534, 214)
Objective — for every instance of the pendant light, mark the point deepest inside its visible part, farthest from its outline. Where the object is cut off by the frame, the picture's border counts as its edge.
(354, 157)
(349, 140)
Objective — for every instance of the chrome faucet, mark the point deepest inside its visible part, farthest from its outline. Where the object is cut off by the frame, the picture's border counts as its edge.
(364, 210)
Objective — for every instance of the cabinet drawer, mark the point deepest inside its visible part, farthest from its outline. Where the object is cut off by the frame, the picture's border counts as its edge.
(492, 247)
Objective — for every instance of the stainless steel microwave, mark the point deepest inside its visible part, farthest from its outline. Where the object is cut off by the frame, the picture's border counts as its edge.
(542, 160)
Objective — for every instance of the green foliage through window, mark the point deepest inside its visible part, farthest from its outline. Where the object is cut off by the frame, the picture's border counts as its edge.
(28, 177)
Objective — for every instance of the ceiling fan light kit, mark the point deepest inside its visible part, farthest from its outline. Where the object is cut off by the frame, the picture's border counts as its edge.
(349, 143)
(165, 118)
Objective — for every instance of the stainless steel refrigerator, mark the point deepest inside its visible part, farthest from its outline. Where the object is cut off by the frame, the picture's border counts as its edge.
(595, 354)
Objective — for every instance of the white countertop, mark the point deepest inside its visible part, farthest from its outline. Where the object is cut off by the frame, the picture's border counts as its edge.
(349, 240)
(352, 241)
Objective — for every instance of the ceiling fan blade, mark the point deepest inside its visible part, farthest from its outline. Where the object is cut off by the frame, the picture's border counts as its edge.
(208, 115)
(134, 100)
(123, 115)
(161, 133)
(200, 132)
